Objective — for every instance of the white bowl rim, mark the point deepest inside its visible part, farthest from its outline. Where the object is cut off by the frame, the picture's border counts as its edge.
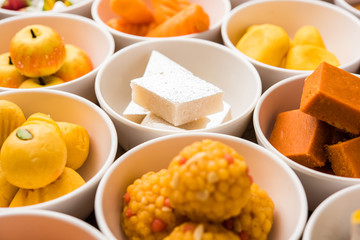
(348, 7)
(127, 122)
(62, 10)
(95, 16)
(97, 177)
(273, 68)
(291, 163)
(57, 216)
(85, 20)
(323, 205)
(99, 215)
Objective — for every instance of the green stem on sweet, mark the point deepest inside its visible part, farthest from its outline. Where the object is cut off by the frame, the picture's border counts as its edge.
(10, 61)
(32, 33)
(41, 81)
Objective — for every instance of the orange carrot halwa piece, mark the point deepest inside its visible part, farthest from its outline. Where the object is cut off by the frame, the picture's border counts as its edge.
(192, 19)
(133, 11)
(122, 25)
(165, 9)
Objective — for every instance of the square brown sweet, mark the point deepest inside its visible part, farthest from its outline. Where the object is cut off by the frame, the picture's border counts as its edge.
(301, 138)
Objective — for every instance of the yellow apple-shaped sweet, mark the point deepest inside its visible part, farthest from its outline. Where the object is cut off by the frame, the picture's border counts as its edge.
(11, 117)
(41, 82)
(37, 50)
(77, 143)
(33, 156)
(68, 181)
(9, 76)
(77, 63)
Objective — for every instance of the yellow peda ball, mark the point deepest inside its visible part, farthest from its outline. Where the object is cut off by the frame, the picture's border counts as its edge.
(33, 156)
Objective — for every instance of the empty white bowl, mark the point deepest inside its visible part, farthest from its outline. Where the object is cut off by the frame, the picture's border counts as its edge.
(44, 224)
(82, 8)
(267, 170)
(63, 106)
(331, 220)
(80, 31)
(283, 96)
(341, 38)
(216, 9)
(210, 61)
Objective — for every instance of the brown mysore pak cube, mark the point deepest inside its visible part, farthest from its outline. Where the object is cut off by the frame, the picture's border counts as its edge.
(345, 158)
(301, 138)
(332, 95)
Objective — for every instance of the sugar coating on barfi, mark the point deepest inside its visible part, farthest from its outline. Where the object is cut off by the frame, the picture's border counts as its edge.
(332, 95)
(301, 138)
(159, 63)
(177, 97)
(212, 120)
(345, 158)
(135, 112)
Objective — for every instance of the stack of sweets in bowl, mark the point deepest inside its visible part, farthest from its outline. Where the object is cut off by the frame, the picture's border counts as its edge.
(203, 185)
(13, 8)
(132, 21)
(292, 40)
(51, 159)
(315, 130)
(54, 51)
(224, 84)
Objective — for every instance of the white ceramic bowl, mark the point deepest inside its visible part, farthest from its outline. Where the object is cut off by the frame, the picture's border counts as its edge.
(82, 8)
(331, 220)
(267, 170)
(216, 9)
(80, 31)
(63, 106)
(210, 61)
(283, 96)
(44, 224)
(292, 15)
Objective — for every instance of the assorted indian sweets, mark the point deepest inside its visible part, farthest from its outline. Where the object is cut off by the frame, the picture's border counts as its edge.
(38, 156)
(158, 18)
(270, 44)
(326, 127)
(39, 57)
(36, 5)
(170, 97)
(205, 193)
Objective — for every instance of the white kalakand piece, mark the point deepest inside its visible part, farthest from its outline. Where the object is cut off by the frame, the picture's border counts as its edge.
(135, 112)
(212, 120)
(159, 63)
(173, 93)
(176, 96)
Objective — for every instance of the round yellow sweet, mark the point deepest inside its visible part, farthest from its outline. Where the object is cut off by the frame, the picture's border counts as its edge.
(42, 118)
(77, 143)
(33, 156)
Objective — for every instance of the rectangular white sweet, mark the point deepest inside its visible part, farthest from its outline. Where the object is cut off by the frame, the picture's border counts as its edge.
(213, 120)
(153, 121)
(159, 63)
(135, 112)
(177, 97)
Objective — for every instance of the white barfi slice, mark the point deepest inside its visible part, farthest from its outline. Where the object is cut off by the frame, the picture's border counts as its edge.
(213, 120)
(135, 112)
(177, 97)
(153, 121)
(159, 63)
